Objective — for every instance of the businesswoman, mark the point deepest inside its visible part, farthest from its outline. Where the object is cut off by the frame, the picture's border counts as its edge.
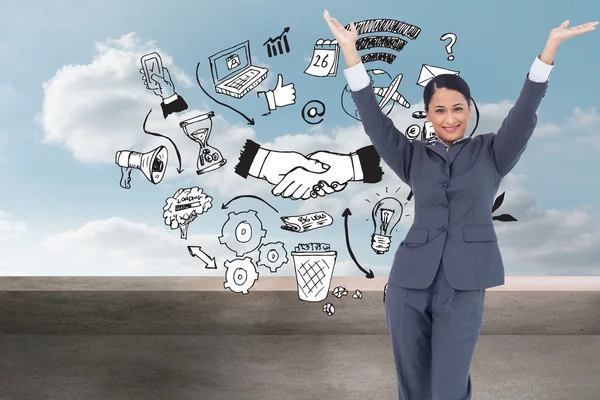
(450, 256)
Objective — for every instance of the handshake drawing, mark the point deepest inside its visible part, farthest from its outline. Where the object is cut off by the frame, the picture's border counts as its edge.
(302, 177)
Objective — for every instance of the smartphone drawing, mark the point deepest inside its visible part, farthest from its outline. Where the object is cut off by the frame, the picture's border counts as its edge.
(152, 64)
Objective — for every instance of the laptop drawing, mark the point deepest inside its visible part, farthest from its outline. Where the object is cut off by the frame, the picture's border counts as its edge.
(233, 73)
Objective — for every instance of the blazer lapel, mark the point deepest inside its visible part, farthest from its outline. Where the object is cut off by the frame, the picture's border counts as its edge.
(438, 148)
(452, 152)
(456, 148)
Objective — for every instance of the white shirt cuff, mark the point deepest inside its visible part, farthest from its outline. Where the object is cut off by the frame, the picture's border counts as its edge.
(540, 71)
(357, 77)
(270, 95)
(170, 99)
(357, 168)
(258, 162)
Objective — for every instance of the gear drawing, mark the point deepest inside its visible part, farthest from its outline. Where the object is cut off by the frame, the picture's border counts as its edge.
(242, 232)
(272, 255)
(240, 275)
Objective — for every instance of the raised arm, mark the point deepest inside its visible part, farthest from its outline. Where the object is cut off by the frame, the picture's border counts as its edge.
(518, 126)
(391, 144)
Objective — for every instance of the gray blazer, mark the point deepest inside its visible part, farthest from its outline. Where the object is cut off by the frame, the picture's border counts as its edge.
(453, 193)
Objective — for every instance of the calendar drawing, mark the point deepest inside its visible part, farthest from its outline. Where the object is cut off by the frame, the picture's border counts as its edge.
(325, 59)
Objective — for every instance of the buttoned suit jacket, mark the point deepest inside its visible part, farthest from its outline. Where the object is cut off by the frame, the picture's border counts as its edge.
(453, 193)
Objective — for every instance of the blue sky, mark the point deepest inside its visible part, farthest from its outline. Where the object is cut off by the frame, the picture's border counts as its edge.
(64, 213)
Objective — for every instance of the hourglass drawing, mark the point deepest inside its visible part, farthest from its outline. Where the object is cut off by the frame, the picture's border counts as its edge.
(198, 129)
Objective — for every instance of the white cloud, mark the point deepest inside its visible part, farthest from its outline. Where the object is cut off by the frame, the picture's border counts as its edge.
(125, 248)
(98, 108)
(548, 242)
(9, 227)
(134, 248)
(579, 130)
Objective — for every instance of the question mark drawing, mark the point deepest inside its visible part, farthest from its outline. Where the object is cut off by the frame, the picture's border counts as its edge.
(452, 38)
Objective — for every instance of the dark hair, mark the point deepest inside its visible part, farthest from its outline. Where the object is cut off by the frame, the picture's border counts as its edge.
(448, 81)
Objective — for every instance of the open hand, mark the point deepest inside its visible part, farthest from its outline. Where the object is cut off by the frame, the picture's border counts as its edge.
(341, 34)
(563, 33)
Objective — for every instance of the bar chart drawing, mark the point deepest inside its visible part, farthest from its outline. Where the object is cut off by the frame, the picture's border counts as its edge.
(278, 45)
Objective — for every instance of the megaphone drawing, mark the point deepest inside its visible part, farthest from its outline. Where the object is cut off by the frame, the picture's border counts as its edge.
(153, 164)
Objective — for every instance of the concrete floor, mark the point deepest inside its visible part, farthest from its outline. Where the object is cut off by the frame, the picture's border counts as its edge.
(274, 367)
(213, 345)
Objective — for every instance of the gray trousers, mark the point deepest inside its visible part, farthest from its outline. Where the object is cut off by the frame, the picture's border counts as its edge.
(434, 332)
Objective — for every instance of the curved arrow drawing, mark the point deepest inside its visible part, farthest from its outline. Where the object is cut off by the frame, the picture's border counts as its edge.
(250, 121)
(345, 214)
(179, 169)
(224, 206)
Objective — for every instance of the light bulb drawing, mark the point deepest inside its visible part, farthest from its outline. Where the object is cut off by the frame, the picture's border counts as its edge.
(386, 214)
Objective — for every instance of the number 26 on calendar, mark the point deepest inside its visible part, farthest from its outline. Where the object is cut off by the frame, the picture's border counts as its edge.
(325, 59)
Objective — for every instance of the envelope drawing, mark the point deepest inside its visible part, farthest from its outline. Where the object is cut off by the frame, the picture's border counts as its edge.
(428, 72)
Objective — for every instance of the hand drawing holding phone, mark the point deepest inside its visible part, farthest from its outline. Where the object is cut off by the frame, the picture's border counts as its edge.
(152, 64)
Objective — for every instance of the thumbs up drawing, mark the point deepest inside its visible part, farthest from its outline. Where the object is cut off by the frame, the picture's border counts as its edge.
(281, 96)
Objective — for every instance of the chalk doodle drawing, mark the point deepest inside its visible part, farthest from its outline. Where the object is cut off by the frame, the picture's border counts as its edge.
(306, 222)
(242, 232)
(152, 164)
(291, 174)
(329, 309)
(326, 52)
(452, 38)
(196, 251)
(250, 120)
(386, 214)
(368, 274)
(233, 73)
(428, 72)
(272, 255)
(296, 176)
(184, 207)
(339, 292)
(158, 79)
(426, 134)
(278, 45)
(281, 96)
(199, 129)
(314, 264)
(313, 112)
(240, 275)
(502, 217)
(379, 41)
(325, 59)
(383, 86)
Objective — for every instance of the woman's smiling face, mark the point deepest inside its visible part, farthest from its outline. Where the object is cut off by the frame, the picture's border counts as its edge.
(449, 113)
